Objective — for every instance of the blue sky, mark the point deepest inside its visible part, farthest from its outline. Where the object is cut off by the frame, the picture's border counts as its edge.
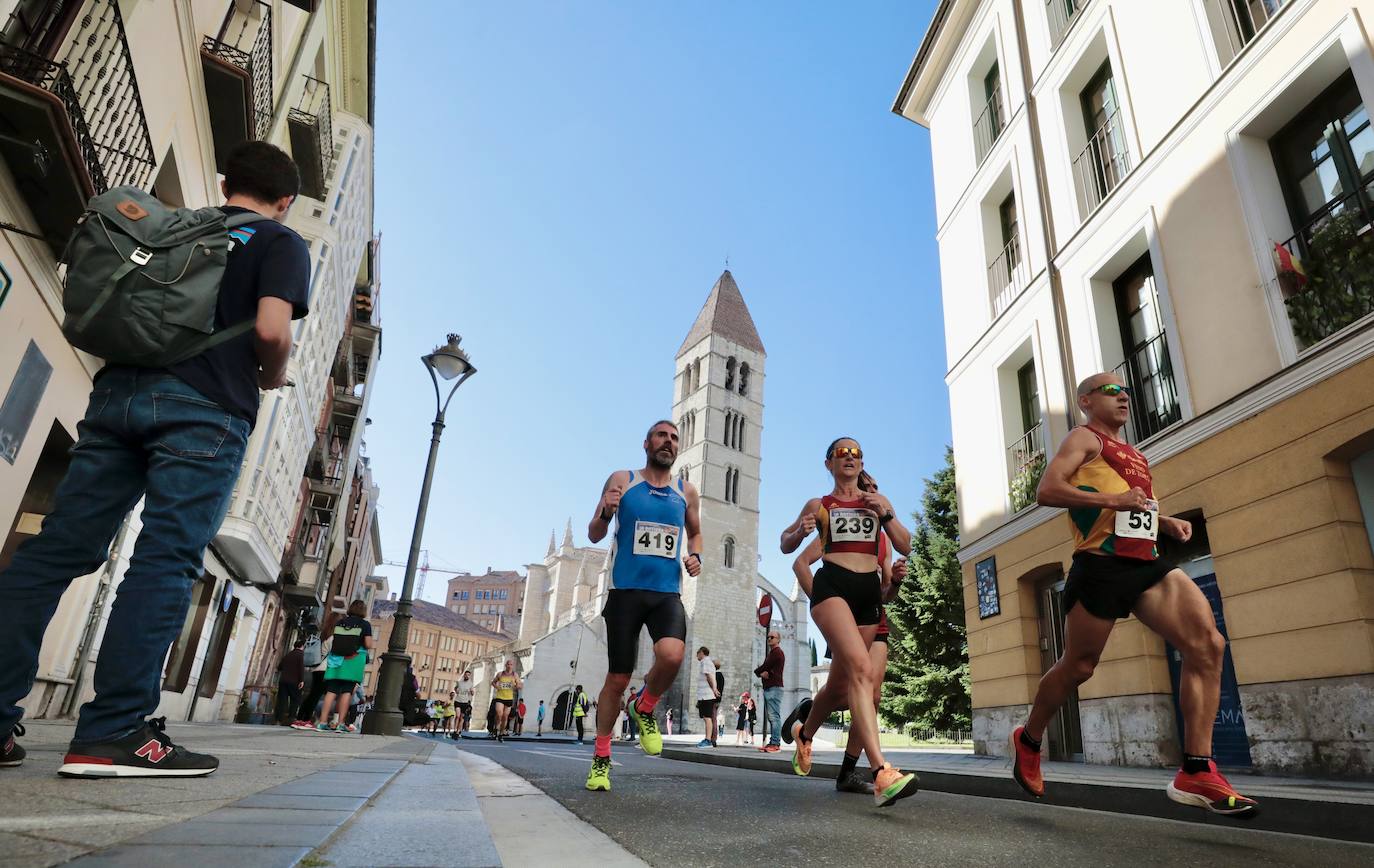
(561, 184)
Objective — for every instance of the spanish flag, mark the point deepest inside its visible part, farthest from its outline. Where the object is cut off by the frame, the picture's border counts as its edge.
(1292, 275)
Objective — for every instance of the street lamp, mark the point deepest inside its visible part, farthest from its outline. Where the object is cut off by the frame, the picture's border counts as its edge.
(451, 363)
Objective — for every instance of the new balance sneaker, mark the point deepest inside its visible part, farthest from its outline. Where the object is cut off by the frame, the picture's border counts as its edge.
(891, 784)
(1025, 765)
(145, 753)
(799, 713)
(345, 728)
(1211, 791)
(801, 754)
(770, 748)
(853, 781)
(302, 725)
(649, 737)
(11, 754)
(599, 778)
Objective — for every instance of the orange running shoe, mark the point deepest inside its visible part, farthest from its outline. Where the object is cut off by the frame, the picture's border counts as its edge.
(801, 756)
(892, 784)
(1025, 765)
(1211, 791)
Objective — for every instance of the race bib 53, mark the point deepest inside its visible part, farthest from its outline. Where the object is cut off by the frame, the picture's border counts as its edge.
(656, 540)
(1139, 523)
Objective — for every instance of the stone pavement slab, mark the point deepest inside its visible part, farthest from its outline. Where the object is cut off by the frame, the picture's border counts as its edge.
(427, 816)
(51, 820)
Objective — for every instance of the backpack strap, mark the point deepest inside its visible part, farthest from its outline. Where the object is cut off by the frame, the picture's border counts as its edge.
(234, 221)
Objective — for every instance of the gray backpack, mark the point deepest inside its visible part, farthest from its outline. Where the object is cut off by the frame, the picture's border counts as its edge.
(143, 279)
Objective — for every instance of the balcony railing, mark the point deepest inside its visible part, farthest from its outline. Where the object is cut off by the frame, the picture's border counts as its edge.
(312, 137)
(1062, 15)
(1025, 466)
(1336, 287)
(1006, 276)
(988, 127)
(1154, 395)
(244, 42)
(79, 120)
(1101, 165)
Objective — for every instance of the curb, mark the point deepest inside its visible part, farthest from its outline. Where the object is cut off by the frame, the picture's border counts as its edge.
(1342, 821)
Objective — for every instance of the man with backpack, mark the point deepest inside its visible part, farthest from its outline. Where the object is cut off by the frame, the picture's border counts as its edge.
(168, 421)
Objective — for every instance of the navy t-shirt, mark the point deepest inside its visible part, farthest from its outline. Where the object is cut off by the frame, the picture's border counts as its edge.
(265, 259)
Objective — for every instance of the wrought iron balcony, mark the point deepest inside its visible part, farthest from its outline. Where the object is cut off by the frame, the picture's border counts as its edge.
(1334, 287)
(238, 75)
(311, 123)
(72, 127)
(1006, 276)
(988, 127)
(1154, 395)
(1062, 15)
(1102, 165)
(1025, 466)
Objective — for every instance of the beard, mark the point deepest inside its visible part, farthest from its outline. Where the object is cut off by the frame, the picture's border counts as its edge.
(656, 461)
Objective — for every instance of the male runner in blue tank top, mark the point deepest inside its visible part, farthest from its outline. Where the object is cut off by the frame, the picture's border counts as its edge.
(653, 511)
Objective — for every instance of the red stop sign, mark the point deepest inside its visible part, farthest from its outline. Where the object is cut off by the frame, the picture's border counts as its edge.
(765, 611)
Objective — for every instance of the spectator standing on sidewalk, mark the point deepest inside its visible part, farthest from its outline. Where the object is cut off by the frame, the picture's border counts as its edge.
(741, 718)
(520, 716)
(539, 720)
(291, 672)
(770, 670)
(708, 696)
(351, 639)
(173, 437)
(316, 650)
(580, 705)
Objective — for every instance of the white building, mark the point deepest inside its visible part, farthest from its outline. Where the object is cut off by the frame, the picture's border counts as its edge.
(294, 72)
(1117, 185)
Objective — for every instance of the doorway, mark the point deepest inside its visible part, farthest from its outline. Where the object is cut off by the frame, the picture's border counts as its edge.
(1064, 735)
(40, 497)
(561, 718)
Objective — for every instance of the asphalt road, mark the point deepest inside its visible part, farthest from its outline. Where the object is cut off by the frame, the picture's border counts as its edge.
(669, 812)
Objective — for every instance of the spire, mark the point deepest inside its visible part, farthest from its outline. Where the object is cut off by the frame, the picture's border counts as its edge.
(551, 545)
(724, 314)
(567, 535)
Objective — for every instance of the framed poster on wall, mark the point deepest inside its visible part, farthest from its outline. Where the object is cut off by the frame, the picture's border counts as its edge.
(985, 580)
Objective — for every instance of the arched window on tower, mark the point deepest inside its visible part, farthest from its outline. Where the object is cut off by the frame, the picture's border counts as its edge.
(739, 434)
(729, 426)
(734, 486)
(730, 374)
(684, 473)
(729, 478)
(744, 379)
(696, 375)
(729, 552)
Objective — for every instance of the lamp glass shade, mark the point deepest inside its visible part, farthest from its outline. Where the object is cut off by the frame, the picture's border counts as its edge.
(448, 364)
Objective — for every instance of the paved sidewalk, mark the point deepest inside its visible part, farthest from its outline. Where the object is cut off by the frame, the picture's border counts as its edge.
(255, 803)
(1327, 808)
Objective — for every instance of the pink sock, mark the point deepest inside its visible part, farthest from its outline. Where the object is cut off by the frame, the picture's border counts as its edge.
(646, 703)
(603, 746)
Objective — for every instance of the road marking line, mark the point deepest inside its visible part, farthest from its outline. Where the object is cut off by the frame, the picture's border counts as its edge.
(576, 759)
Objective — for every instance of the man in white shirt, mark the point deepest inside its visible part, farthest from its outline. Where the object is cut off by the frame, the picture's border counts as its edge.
(708, 697)
(462, 695)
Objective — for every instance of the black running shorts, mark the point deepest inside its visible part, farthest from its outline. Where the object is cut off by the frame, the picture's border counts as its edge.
(339, 686)
(862, 591)
(1108, 586)
(629, 610)
(706, 708)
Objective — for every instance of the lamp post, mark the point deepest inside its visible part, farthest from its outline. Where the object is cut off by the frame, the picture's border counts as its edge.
(450, 362)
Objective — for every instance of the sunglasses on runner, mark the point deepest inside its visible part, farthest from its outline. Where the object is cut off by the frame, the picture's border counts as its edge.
(1111, 390)
(852, 451)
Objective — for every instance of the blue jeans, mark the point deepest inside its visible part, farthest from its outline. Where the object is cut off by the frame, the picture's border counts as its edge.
(772, 703)
(145, 434)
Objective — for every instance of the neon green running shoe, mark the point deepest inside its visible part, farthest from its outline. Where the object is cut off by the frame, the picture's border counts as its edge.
(599, 778)
(891, 784)
(801, 755)
(649, 737)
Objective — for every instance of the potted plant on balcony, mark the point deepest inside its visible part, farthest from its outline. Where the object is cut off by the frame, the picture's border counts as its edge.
(1026, 481)
(1340, 280)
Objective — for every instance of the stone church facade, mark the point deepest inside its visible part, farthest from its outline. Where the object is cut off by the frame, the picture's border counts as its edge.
(718, 406)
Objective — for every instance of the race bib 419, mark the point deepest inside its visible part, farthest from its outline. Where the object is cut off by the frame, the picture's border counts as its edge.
(656, 540)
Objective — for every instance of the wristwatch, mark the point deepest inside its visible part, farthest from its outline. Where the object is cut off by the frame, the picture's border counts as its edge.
(604, 516)
(886, 518)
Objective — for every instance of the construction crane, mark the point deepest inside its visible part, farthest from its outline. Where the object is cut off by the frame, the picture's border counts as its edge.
(424, 570)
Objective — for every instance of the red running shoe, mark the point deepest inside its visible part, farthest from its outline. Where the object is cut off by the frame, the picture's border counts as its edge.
(1025, 765)
(1211, 791)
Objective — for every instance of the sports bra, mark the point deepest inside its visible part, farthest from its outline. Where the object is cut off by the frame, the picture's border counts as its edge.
(848, 526)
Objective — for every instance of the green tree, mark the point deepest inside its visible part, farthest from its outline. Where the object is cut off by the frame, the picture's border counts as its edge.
(927, 680)
(814, 658)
